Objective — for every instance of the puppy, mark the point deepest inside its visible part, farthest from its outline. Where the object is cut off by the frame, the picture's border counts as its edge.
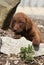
(22, 25)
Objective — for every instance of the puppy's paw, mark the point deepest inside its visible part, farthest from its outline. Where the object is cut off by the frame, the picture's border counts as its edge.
(36, 42)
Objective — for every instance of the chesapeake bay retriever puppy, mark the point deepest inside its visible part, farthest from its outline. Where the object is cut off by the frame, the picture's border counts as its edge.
(22, 25)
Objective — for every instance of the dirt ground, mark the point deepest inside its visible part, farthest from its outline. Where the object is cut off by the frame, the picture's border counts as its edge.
(14, 60)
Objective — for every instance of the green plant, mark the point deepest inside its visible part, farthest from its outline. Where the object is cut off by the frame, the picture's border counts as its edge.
(26, 53)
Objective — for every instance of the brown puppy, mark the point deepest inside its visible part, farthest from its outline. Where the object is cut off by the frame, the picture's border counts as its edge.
(22, 25)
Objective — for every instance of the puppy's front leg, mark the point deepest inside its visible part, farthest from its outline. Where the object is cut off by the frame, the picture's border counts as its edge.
(36, 41)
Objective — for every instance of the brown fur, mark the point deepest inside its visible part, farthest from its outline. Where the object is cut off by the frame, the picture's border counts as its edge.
(22, 25)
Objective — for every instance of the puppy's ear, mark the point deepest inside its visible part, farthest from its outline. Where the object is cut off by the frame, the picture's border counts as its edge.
(28, 23)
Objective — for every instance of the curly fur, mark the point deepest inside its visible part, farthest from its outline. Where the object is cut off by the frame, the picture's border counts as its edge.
(22, 25)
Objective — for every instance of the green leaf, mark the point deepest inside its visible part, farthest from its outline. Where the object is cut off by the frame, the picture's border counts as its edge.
(30, 48)
(27, 53)
(22, 49)
(28, 58)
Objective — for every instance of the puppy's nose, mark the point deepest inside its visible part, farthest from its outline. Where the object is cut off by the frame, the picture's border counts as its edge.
(14, 30)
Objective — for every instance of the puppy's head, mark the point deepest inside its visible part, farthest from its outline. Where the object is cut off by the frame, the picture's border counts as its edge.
(20, 22)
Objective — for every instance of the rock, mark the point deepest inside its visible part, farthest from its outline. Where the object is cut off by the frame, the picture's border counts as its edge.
(5, 7)
(11, 45)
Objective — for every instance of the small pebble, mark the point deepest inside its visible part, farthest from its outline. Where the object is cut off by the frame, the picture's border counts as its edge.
(16, 62)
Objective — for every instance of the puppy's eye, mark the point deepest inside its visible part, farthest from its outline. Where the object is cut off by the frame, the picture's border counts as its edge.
(21, 23)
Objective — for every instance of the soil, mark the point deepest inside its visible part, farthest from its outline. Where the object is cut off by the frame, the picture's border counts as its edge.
(12, 59)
